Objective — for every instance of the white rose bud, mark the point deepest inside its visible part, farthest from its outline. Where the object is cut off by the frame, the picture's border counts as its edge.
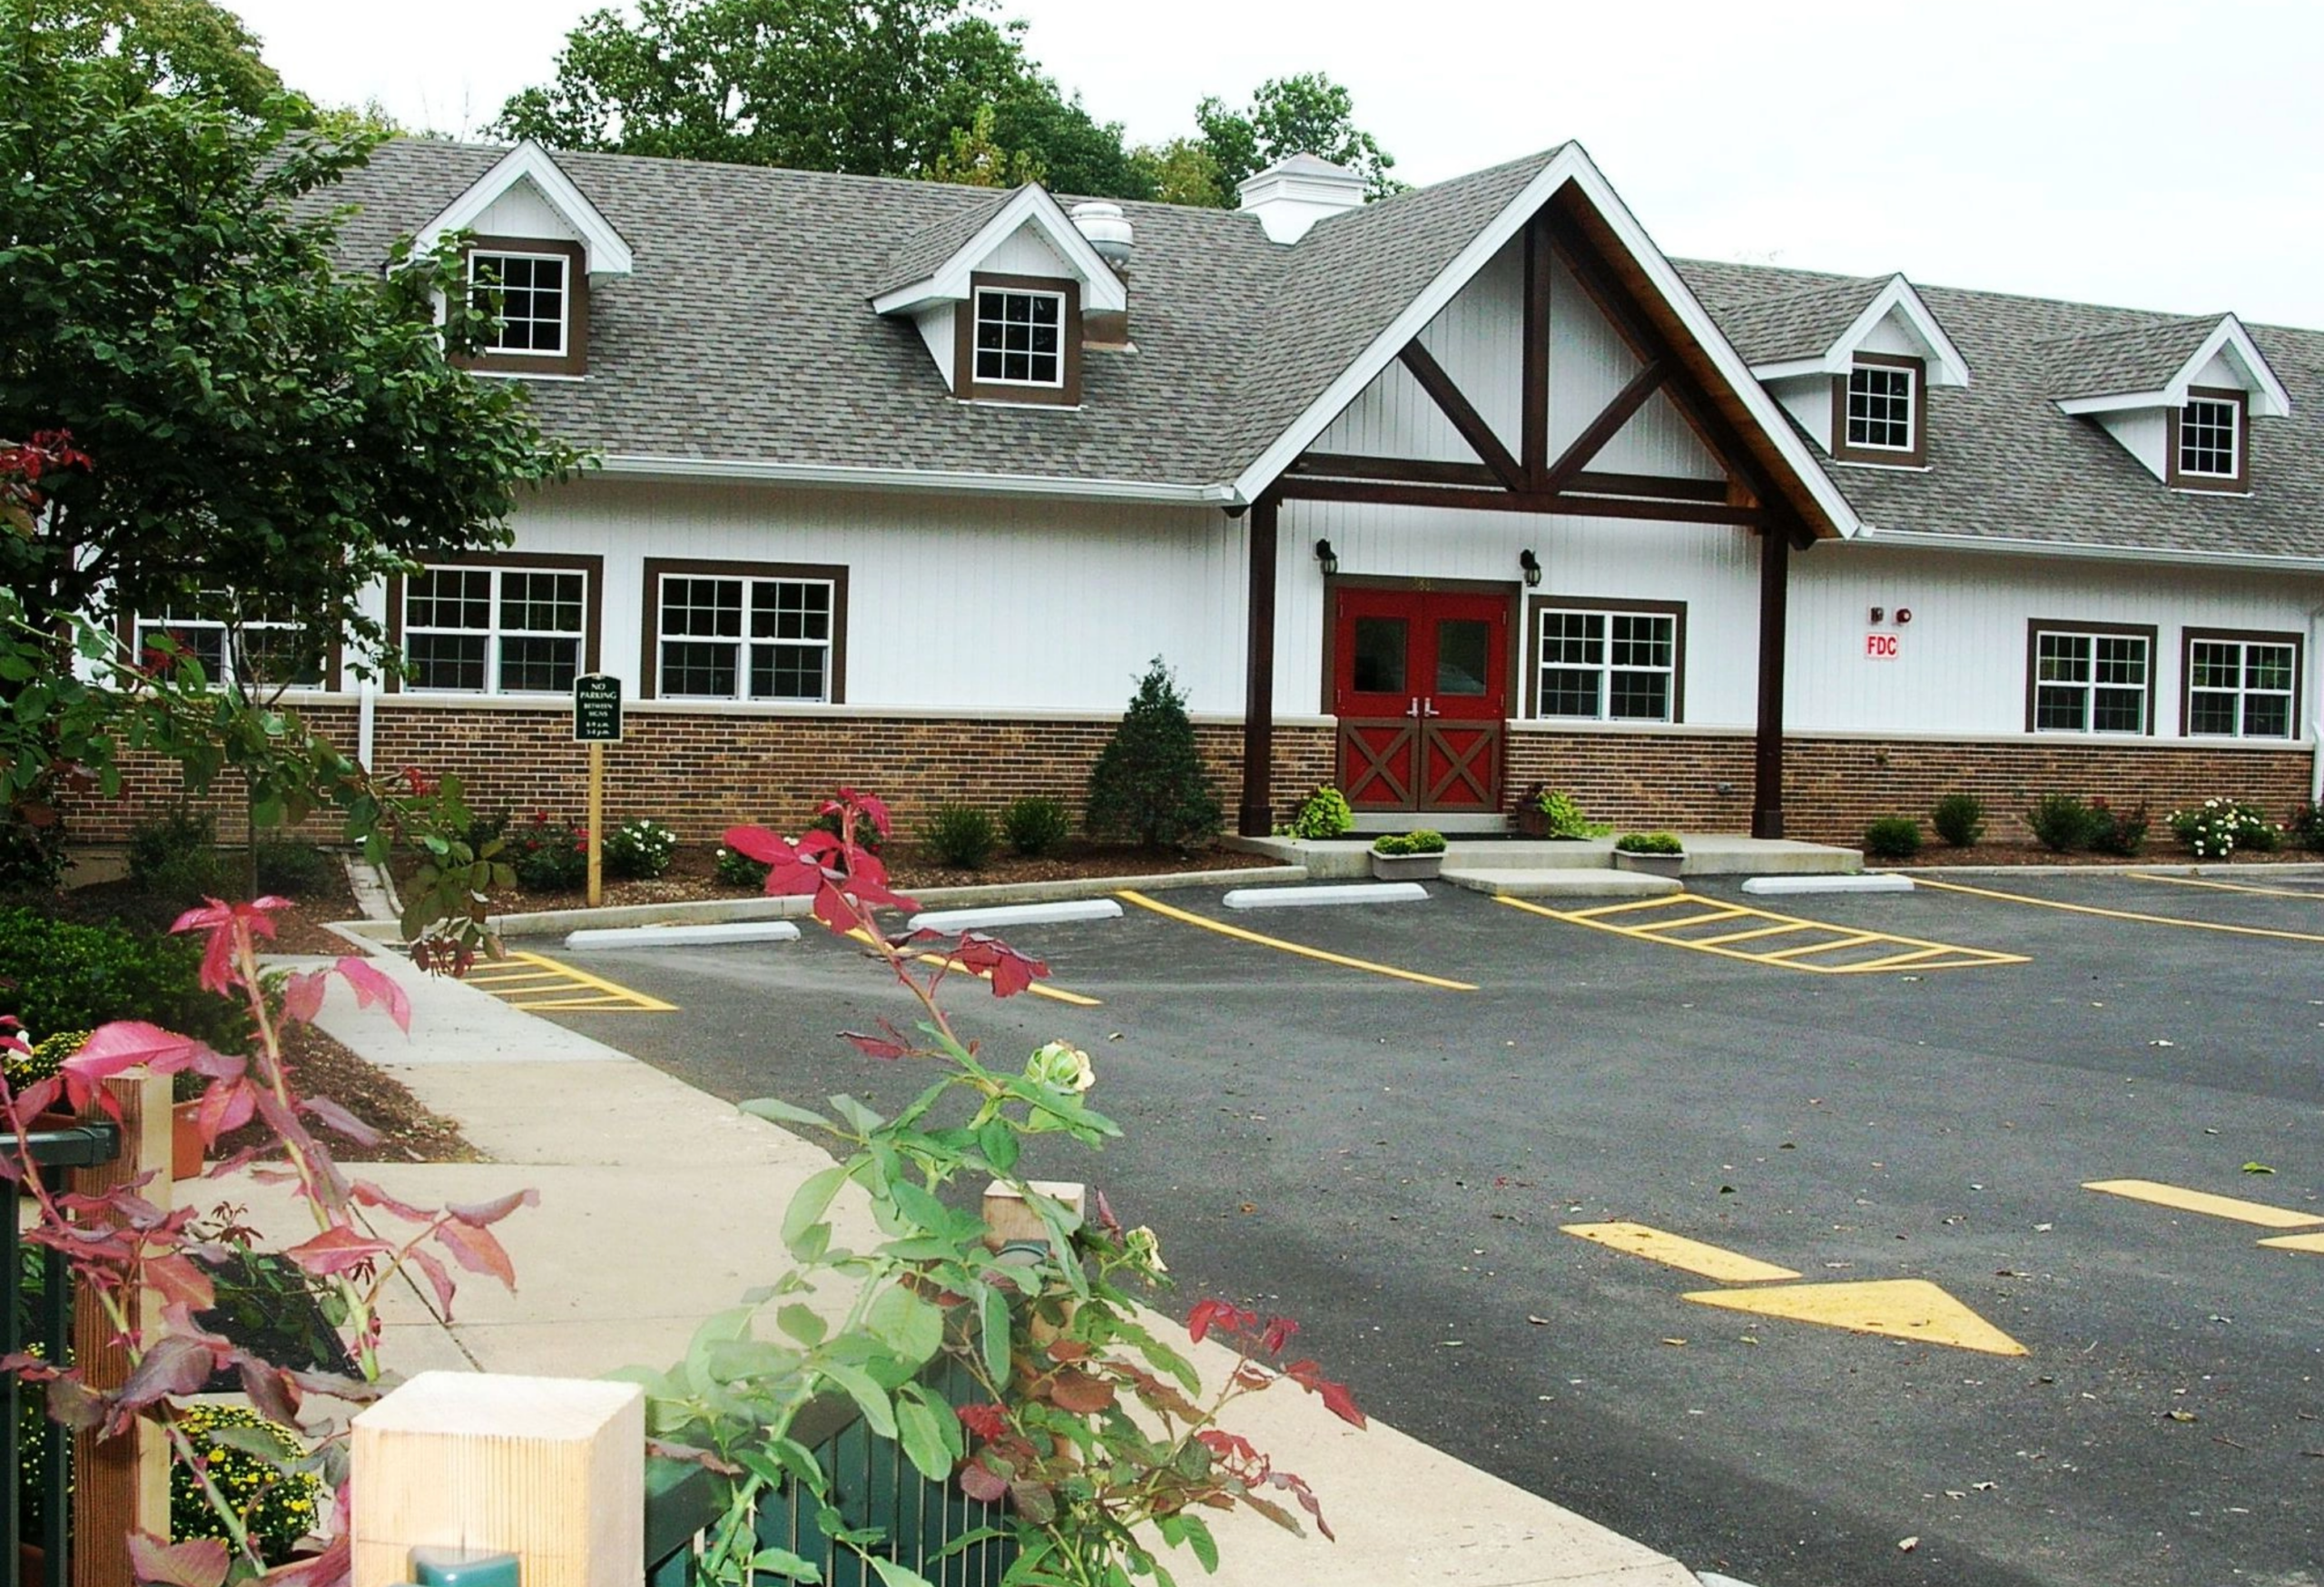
(1058, 1064)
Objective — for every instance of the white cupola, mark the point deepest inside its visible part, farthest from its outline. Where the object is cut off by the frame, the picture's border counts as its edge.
(1292, 195)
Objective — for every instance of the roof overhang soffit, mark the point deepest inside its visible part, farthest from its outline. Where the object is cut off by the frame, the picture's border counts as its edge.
(607, 254)
(1896, 301)
(1102, 291)
(2227, 341)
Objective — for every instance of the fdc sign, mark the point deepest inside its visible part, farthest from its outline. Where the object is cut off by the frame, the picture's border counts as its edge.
(1880, 647)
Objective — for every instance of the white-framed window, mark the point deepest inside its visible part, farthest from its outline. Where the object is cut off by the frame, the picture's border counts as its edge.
(1019, 337)
(259, 652)
(2211, 438)
(2241, 687)
(2092, 680)
(1880, 398)
(1607, 665)
(530, 296)
(495, 630)
(738, 636)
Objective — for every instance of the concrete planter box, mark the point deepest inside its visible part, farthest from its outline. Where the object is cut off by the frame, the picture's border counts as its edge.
(1649, 864)
(1406, 867)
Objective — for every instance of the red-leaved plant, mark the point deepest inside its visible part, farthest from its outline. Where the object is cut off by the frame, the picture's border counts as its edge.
(123, 1246)
(1095, 1433)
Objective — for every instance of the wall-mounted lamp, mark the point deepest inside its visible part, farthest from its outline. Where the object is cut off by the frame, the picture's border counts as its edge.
(1878, 613)
(1327, 557)
(1533, 566)
(1903, 613)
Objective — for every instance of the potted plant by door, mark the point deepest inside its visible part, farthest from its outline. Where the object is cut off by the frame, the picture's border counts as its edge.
(1407, 857)
(1652, 853)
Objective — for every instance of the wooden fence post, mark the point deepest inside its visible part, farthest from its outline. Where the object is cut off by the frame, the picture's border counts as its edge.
(1010, 1221)
(121, 1484)
(551, 1470)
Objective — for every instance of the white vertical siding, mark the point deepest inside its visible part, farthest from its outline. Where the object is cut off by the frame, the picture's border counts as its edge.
(1025, 252)
(522, 211)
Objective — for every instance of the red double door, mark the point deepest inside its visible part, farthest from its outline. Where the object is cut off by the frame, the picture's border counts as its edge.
(1420, 684)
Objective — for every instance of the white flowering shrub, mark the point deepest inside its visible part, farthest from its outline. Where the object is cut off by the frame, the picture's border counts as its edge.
(2216, 828)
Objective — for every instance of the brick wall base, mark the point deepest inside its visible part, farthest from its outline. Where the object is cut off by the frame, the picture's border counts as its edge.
(700, 772)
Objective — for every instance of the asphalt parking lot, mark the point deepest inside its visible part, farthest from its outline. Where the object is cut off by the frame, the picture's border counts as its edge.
(1909, 1092)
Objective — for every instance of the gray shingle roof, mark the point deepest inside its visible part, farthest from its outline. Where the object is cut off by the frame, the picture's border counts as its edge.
(925, 252)
(2006, 464)
(1801, 324)
(2115, 363)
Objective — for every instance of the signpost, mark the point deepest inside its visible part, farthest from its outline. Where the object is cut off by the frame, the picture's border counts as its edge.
(597, 721)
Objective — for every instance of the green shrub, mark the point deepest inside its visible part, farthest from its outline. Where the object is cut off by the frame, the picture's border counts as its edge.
(279, 1507)
(640, 851)
(737, 868)
(1649, 842)
(1035, 826)
(47, 1060)
(1149, 784)
(57, 976)
(1893, 837)
(2112, 833)
(2216, 828)
(175, 858)
(32, 857)
(296, 870)
(2306, 826)
(2061, 822)
(547, 856)
(1959, 819)
(962, 835)
(1564, 818)
(1420, 841)
(867, 836)
(1323, 814)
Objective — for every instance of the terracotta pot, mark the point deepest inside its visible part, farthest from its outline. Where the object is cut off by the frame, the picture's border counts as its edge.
(186, 1150)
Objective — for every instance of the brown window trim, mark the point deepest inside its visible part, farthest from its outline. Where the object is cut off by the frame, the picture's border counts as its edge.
(1340, 581)
(1535, 605)
(649, 677)
(1916, 458)
(2242, 478)
(126, 622)
(965, 384)
(2037, 627)
(2187, 639)
(574, 359)
(593, 625)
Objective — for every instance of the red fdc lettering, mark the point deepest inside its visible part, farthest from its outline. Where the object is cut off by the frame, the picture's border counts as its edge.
(1880, 647)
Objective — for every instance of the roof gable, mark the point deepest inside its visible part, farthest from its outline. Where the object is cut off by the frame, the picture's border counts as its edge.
(608, 254)
(2154, 365)
(934, 266)
(1818, 330)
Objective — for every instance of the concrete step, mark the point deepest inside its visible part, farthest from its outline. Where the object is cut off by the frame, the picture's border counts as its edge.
(1545, 882)
(1708, 855)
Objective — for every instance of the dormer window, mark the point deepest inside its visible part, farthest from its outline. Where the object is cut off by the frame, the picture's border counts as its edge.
(1879, 417)
(1019, 339)
(2207, 442)
(538, 292)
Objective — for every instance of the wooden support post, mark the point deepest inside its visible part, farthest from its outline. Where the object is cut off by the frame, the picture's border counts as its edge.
(121, 1484)
(1008, 1221)
(1255, 819)
(1774, 580)
(597, 824)
(551, 1470)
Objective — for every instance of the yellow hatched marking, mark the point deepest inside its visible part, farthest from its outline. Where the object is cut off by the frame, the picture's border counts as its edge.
(2225, 886)
(1899, 960)
(1679, 1252)
(1710, 918)
(2186, 1200)
(1927, 955)
(1053, 993)
(1303, 951)
(1623, 908)
(2297, 1243)
(1894, 1308)
(2119, 914)
(539, 976)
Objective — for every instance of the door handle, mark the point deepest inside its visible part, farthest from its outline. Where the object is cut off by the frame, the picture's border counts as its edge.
(1428, 707)
(1412, 709)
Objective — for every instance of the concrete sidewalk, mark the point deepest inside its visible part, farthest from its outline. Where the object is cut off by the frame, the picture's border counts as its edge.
(659, 1205)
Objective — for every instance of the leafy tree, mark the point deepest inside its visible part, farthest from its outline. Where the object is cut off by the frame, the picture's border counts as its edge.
(154, 47)
(872, 87)
(976, 158)
(1306, 114)
(1149, 782)
(1183, 170)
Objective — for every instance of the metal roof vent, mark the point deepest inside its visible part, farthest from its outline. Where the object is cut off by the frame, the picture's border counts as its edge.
(1107, 229)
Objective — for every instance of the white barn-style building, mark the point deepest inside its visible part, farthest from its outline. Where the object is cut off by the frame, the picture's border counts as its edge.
(1438, 498)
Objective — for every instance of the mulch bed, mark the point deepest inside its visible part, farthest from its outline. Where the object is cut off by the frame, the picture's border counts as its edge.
(2035, 855)
(409, 1133)
(297, 929)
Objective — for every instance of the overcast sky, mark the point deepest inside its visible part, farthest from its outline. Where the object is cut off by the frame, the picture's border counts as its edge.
(2156, 155)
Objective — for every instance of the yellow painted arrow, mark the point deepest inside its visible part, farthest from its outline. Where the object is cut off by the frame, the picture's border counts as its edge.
(1898, 1309)
(2298, 1242)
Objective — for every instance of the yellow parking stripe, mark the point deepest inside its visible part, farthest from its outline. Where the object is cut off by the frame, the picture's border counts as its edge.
(2185, 1200)
(2225, 886)
(1918, 955)
(1711, 917)
(2119, 914)
(1678, 1251)
(532, 981)
(1240, 935)
(2297, 1243)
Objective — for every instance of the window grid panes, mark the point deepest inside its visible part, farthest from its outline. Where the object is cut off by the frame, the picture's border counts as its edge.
(495, 630)
(2090, 683)
(2207, 438)
(1617, 667)
(728, 638)
(271, 654)
(1880, 408)
(1020, 337)
(526, 292)
(2240, 688)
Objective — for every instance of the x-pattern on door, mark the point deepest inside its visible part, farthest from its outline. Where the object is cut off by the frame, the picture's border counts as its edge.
(1421, 686)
